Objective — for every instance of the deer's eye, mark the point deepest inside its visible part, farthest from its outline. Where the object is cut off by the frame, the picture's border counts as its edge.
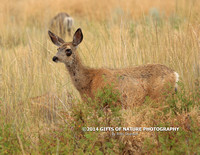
(68, 52)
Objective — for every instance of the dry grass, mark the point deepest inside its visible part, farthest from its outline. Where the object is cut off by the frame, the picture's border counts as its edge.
(117, 34)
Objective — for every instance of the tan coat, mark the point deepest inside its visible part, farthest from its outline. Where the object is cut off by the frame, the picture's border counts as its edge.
(134, 83)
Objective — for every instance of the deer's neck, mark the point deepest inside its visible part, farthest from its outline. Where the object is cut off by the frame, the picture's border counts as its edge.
(80, 75)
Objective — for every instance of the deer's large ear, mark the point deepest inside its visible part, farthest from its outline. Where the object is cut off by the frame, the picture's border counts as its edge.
(78, 37)
(55, 39)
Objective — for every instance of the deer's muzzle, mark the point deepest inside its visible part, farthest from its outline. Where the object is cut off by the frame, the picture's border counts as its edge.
(55, 59)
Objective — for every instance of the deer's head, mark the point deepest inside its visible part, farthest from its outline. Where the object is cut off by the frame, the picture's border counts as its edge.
(66, 50)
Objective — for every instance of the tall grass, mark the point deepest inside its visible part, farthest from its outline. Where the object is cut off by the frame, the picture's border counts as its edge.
(36, 93)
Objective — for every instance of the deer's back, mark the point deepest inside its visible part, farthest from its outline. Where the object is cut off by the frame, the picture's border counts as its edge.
(59, 21)
(135, 83)
(61, 16)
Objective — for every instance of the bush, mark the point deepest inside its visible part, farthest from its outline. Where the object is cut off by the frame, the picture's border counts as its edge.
(91, 115)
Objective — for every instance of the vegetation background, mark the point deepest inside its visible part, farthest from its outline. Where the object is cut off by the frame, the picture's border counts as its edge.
(40, 110)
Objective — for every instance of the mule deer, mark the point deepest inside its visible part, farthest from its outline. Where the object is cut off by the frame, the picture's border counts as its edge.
(61, 23)
(134, 83)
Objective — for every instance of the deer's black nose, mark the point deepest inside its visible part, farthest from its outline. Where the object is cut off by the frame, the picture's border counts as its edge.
(55, 59)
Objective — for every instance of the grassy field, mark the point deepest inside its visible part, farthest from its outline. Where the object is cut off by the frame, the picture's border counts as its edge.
(40, 110)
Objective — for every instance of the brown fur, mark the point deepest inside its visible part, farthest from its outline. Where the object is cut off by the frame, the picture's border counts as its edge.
(60, 26)
(134, 83)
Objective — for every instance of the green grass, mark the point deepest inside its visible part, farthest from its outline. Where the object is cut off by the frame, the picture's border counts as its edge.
(179, 110)
(40, 110)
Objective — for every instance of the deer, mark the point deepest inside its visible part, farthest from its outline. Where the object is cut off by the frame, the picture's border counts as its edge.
(61, 23)
(134, 83)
